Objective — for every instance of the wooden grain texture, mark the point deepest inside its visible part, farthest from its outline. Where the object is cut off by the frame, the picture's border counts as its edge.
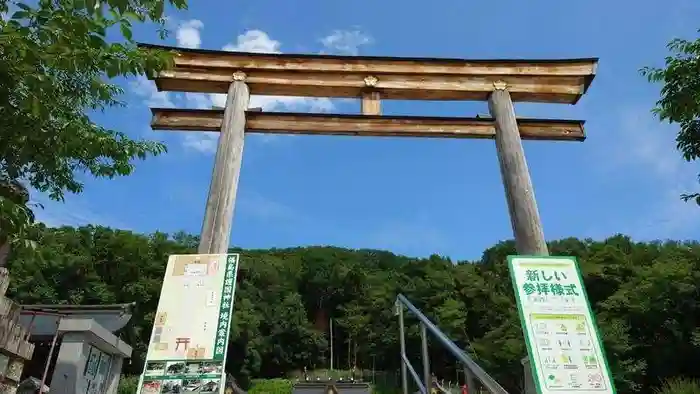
(218, 216)
(527, 88)
(557, 81)
(371, 103)
(364, 125)
(520, 195)
(203, 58)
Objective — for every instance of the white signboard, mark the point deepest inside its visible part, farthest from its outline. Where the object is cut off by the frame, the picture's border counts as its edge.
(187, 350)
(562, 338)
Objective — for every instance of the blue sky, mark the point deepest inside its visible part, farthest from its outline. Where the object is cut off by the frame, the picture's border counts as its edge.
(415, 196)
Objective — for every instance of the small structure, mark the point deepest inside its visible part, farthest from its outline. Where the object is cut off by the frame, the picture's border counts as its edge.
(79, 352)
(15, 350)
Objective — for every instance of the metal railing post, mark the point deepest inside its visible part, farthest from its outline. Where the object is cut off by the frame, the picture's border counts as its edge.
(402, 340)
(473, 371)
(469, 380)
(426, 358)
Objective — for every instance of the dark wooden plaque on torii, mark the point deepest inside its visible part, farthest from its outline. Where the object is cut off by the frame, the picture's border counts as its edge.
(372, 79)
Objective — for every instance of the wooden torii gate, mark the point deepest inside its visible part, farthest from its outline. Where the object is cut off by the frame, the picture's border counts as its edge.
(372, 79)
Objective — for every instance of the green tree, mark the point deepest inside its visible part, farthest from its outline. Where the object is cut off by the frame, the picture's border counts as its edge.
(680, 97)
(56, 67)
(644, 294)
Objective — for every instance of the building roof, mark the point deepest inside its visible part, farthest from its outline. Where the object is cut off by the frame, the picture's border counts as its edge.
(79, 309)
(43, 320)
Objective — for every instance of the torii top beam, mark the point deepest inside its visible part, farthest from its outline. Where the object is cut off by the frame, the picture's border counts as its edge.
(544, 81)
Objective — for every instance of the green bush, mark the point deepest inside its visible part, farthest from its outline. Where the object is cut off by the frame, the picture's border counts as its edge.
(679, 386)
(270, 386)
(128, 385)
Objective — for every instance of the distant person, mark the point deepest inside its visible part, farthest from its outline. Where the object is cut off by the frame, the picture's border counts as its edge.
(434, 386)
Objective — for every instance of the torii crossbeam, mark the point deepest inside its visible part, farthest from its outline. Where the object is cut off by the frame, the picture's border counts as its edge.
(372, 79)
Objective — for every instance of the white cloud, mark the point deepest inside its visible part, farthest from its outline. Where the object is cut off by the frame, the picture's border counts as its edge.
(147, 90)
(281, 103)
(73, 212)
(199, 100)
(346, 42)
(265, 209)
(203, 142)
(256, 41)
(188, 33)
(646, 146)
(647, 143)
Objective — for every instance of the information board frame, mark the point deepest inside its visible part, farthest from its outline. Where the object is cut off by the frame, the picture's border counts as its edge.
(535, 299)
(188, 347)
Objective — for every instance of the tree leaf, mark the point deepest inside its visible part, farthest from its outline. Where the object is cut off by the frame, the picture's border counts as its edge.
(126, 31)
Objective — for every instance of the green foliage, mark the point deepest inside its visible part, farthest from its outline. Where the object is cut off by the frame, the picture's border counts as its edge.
(56, 66)
(679, 386)
(128, 385)
(680, 97)
(16, 217)
(271, 386)
(645, 295)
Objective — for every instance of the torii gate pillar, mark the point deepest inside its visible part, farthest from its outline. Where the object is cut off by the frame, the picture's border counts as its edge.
(522, 206)
(218, 215)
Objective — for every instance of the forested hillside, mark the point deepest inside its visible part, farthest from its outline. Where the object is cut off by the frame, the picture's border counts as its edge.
(645, 295)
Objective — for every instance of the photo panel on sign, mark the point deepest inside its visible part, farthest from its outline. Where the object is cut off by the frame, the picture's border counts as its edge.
(155, 368)
(175, 368)
(210, 386)
(172, 386)
(191, 385)
(151, 386)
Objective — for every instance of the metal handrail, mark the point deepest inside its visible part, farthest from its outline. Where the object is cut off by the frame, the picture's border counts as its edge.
(471, 368)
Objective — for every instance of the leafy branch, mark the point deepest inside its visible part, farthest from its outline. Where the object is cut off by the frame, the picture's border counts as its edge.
(56, 67)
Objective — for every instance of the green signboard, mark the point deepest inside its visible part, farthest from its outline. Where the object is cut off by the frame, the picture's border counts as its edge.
(566, 354)
(187, 350)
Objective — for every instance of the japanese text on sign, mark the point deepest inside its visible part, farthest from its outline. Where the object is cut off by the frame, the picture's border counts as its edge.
(225, 309)
(545, 282)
